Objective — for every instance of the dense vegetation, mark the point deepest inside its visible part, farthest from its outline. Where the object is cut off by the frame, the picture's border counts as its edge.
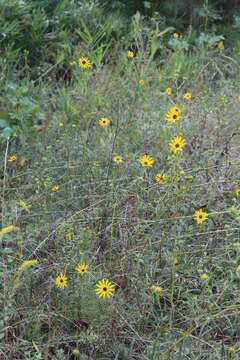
(119, 137)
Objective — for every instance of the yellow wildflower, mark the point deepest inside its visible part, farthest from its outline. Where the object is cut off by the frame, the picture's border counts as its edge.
(160, 178)
(187, 96)
(168, 90)
(177, 144)
(84, 63)
(82, 268)
(200, 216)
(55, 188)
(104, 288)
(146, 161)
(130, 54)
(204, 277)
(175, 35)
(141, 82)
(220, 45)
(104, 121)
(12, 158)
(61, 281)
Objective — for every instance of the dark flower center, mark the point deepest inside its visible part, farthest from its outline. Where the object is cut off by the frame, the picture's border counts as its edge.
(177, 145)
(174, 116)
(200, 216)
(145, 162)
(61, 280)
(83, 62)
(104, 289)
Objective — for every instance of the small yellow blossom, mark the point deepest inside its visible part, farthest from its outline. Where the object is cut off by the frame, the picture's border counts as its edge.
(177, 145)
(187, 96)
(237, 192)
(204, 277)
(220, 45)
(130, 54)
(173, 115)
(200, 216)
(156, 289)
(104, 121)
(68, 236)
(12, 158)
(117, 159)
(160, 178)
(168, 90)
(146, 161)
(61, 125)
(84, 63)
(239, 98)
(141, 82)
(82, 268)
(238, 269)
(104, 288)
(55, 188)
(72, 62)
(61, 281)
(175, 35)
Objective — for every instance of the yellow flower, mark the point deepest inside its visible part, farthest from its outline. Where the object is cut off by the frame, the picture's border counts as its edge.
(204, 277)
(173, 115)
(238, 269)
(82, 268)
(104, 288)
(177, 144)
(220, 45)
(200, 216)
(175, 35)
(84, 63)
(239, 98)
(27, 263)
(117, 159)
(168, 91)
(187, 96)
(7, 230)
(141, 82)
(146, 161)
(12, 158)
(237, 192)
(130, 54)
(55, 188)
(104, 121)
(156, 289)
(160, 178)
(61, 125)
(72, 62)
(61, 281)
(23, 205)
(68, 236)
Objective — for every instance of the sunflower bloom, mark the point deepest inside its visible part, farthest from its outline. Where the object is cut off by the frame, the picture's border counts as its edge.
(55, 188)
(104, 288)
(130, 54)
(168, 91)
(82, 268)
(172, 117)
(160, 178)
(61, 281)
(117, 159)
(12, 158)
(200, 216)
(187, 96)
(146, 161)
(84, 63)
(104, 121)
(141, 82)
(177, 145)
(237, 192)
